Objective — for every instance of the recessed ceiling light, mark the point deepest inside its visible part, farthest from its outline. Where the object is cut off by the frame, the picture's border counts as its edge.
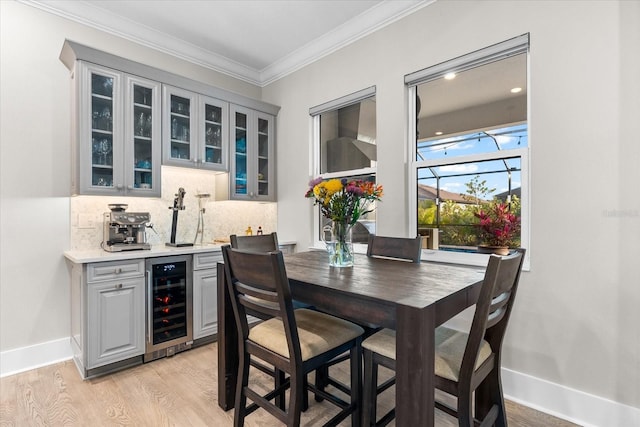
(450, 76)
(439, 132)
(516, 90)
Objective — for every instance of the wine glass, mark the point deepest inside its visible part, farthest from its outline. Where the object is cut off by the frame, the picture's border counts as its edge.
(104, 148)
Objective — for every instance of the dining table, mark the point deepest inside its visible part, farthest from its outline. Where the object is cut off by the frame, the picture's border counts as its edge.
(411, 298)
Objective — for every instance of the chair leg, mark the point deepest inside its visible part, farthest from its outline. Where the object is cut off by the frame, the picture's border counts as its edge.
(369, 398)
(241, 397)
(322, 373)
(489, 394)
(465, 410)
(295, 399)
(356, 384)
(278, 381)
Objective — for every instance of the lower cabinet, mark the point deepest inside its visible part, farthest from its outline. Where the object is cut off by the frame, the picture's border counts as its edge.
(205, 294)
(115, 321)
(107, 315)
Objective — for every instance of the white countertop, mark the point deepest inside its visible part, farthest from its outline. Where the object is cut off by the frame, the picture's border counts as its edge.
(100, 255)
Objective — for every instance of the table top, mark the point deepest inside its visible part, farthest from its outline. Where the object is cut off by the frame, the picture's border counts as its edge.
(391, 281)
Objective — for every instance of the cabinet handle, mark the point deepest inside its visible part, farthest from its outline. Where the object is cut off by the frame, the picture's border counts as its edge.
(119, 286)
(118, 270)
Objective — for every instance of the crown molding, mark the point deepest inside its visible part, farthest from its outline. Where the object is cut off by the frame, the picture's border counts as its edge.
(368, 22)
(364, 24)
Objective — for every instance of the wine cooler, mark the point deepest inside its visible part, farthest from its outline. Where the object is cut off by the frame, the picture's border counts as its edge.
(169, 302)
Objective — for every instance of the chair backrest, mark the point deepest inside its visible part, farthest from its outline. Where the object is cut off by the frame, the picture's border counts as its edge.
(493, 308)
(395, 247)
(258, 243)
(258, 283)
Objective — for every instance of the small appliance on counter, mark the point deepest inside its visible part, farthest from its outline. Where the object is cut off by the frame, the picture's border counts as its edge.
(178, 205)
(124, 231)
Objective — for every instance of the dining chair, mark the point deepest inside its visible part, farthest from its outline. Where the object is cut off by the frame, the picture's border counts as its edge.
(257, 243)
(294, 341)
(464, 362)
(263, 243)
(409, 249)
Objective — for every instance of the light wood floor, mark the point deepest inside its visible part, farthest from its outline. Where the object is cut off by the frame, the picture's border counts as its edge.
(176, 391)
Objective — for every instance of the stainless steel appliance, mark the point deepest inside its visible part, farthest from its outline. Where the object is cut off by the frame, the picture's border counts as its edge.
(124, 231)
(169, 302)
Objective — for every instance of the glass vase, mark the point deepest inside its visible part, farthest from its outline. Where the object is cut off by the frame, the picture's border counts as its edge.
(339, 245)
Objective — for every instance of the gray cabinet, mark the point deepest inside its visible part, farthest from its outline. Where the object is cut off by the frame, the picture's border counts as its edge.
(116, 133)
(195, 130)
(107, 320)
(252, 154)
(205, 294)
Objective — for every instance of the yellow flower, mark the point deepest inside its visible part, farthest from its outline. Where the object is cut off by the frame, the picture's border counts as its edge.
(333, 186)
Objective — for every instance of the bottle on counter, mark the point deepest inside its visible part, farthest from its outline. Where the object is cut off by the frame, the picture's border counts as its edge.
(249, 231)
(259, 232)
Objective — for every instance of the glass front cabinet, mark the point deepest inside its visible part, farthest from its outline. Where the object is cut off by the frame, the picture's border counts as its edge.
(195, 131)
(251, 173)
(118, 134)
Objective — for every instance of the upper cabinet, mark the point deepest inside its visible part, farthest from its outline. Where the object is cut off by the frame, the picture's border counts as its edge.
(130, 117)
(195, 130)
(252, 155)
(117, 140)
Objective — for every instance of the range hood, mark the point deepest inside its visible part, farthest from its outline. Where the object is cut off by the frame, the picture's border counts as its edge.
(349, 138)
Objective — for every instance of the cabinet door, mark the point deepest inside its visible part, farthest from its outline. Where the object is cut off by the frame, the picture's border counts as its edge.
(115, 321)
(100, 130)
(239, 153)
(252, 154)
(179, 127)
(205, 301)
(264, 188)
(142, 137)
(213, 135)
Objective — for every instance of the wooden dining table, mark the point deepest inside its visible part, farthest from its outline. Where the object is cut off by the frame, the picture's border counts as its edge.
(411, 298)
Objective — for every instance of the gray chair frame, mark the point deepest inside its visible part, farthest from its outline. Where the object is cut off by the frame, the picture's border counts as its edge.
(409, 249)
(262, 276)
(490, 320)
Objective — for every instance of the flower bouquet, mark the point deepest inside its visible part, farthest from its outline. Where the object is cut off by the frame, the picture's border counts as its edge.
(343, 201)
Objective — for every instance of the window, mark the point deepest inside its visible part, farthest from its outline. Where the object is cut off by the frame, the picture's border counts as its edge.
(344, 135)
(471, 145)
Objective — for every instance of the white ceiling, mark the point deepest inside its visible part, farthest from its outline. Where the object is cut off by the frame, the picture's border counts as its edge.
(258, 41)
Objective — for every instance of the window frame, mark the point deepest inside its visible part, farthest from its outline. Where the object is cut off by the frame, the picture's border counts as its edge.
(314, 160)
(515, 46)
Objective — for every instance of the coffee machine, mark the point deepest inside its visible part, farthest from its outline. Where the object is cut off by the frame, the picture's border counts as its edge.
(124, 231)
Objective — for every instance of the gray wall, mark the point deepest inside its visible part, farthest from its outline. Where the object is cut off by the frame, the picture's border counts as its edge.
(576, 319)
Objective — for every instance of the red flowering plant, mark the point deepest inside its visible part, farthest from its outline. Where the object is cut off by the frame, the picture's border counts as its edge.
(498, 225)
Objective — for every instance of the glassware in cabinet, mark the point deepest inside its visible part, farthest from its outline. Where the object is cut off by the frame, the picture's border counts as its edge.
(143, 114)
(251, 171)
(99, 141)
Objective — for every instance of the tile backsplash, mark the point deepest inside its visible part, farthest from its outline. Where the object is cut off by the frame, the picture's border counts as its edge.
(221, 218)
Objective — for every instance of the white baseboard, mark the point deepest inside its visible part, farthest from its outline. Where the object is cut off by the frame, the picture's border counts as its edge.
(34, 356)
(563, 402)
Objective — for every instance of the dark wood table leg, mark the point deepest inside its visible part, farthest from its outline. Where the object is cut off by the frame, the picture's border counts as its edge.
(227, 345)
(415, 393)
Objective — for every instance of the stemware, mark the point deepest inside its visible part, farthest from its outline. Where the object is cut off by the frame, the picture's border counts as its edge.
(104, 148)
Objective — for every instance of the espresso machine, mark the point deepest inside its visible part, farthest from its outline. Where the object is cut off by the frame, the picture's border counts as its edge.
(124, 231)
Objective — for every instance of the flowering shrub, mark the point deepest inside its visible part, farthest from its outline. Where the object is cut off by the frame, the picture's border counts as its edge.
(342, 200)
(498, 226)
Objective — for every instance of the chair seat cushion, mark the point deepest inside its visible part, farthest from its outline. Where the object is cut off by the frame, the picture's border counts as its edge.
(318, 333)
(450, 345)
